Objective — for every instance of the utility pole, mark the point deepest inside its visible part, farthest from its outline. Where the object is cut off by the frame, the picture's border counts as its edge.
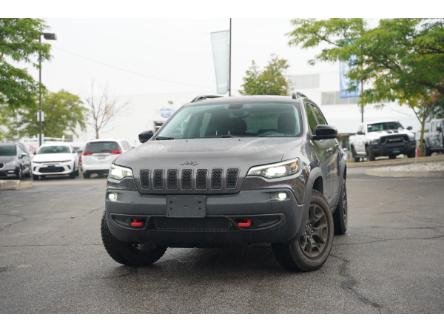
(362, 105)
(229, 65)
(47, 36)
(40, 95)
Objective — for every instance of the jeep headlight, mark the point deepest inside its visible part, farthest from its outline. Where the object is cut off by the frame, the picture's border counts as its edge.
(276, 170)
(118, 172)
(374, 141)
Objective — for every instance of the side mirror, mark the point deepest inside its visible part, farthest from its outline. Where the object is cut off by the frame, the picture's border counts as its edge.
(22, 155)
(439, 128)
(145, 136)
(409, 128)
(323, 132)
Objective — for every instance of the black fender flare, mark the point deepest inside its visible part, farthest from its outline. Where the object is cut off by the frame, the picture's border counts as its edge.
(314, 174)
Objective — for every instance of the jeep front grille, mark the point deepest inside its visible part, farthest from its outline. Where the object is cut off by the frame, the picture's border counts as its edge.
(158, 179)
(216, 179)
(232, 175)
(201, 179)
(189, 180)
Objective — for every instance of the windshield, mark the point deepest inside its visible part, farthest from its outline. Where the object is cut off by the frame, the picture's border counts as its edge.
(393, 125)
(229, 119)
(101, 147)
(54, 150)
(8, 150)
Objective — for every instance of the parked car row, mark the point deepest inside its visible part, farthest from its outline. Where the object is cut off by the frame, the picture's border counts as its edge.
(59, 159)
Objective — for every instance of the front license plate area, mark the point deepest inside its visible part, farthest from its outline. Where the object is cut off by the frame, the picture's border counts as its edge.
(186, 206)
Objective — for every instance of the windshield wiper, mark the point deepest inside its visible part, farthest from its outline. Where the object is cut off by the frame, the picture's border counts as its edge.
(164, 138)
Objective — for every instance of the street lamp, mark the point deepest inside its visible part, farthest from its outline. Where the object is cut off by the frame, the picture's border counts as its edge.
(47, 36)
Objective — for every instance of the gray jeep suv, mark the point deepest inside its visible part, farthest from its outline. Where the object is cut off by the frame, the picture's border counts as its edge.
(237, 170)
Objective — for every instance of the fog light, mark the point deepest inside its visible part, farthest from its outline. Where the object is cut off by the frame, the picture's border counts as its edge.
(112, 196)
(279, 196)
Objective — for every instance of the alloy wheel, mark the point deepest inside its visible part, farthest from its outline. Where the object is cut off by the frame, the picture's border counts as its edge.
(314, 239)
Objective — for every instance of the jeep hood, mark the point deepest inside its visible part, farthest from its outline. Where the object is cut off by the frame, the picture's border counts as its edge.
(208, 153)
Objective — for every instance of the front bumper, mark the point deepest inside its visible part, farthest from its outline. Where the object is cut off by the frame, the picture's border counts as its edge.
(272, 221)
(6, 173)
(392, 149)
(52, 169)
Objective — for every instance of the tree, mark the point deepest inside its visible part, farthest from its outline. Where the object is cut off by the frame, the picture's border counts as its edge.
(401, 59)
(19, 43)
(270, 81)
(64, 113)
(102, 108)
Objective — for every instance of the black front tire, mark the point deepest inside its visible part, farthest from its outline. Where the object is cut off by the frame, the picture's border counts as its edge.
(370, 154)
(340, 216)
(428, 152)
(292, 255)
(412, 153)
(355, 156)
(392, 157)
(86, 175)
(130, 254)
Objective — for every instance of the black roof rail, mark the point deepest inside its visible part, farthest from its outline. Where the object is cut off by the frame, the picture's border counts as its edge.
(297, 94)
(203, 97)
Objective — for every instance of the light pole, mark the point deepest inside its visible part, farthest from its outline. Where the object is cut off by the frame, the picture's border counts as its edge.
(47, 36)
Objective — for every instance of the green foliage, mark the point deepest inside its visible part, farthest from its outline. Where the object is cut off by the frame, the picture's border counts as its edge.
(64, 112)
(19, 44)
(270, 81)
(400, 59)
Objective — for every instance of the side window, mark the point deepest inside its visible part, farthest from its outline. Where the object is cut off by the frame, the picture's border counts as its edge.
(312, 122)
(319, 116)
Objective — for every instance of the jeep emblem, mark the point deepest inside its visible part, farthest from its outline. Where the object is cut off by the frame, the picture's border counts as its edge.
(190, 163)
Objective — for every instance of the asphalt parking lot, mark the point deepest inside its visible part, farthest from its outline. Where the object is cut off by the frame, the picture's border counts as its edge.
(391, 261)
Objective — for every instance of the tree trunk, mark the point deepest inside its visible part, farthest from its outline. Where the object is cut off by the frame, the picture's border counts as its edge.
(421, 136)
(97, 132)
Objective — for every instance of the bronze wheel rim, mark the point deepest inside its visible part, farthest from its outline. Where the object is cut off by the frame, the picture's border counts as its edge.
(314, 239)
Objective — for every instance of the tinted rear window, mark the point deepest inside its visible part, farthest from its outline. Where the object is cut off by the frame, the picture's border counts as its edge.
(8, 150)
(101, 147)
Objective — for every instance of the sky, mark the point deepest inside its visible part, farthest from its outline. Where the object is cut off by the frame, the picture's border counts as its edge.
(139, 56)
(147, 62)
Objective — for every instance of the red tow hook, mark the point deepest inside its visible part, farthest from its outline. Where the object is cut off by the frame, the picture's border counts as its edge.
(246, 223)
(136, 223)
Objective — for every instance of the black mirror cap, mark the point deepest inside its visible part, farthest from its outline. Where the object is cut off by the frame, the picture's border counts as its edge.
(409, 128)
(145, 136)
(323, 132)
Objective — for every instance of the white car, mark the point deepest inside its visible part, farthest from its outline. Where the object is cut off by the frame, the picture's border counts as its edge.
(55, 159)
(383, 138)
(99, 154)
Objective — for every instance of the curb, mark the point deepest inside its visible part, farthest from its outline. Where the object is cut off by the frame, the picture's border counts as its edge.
(403, 174)
(14, 184)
